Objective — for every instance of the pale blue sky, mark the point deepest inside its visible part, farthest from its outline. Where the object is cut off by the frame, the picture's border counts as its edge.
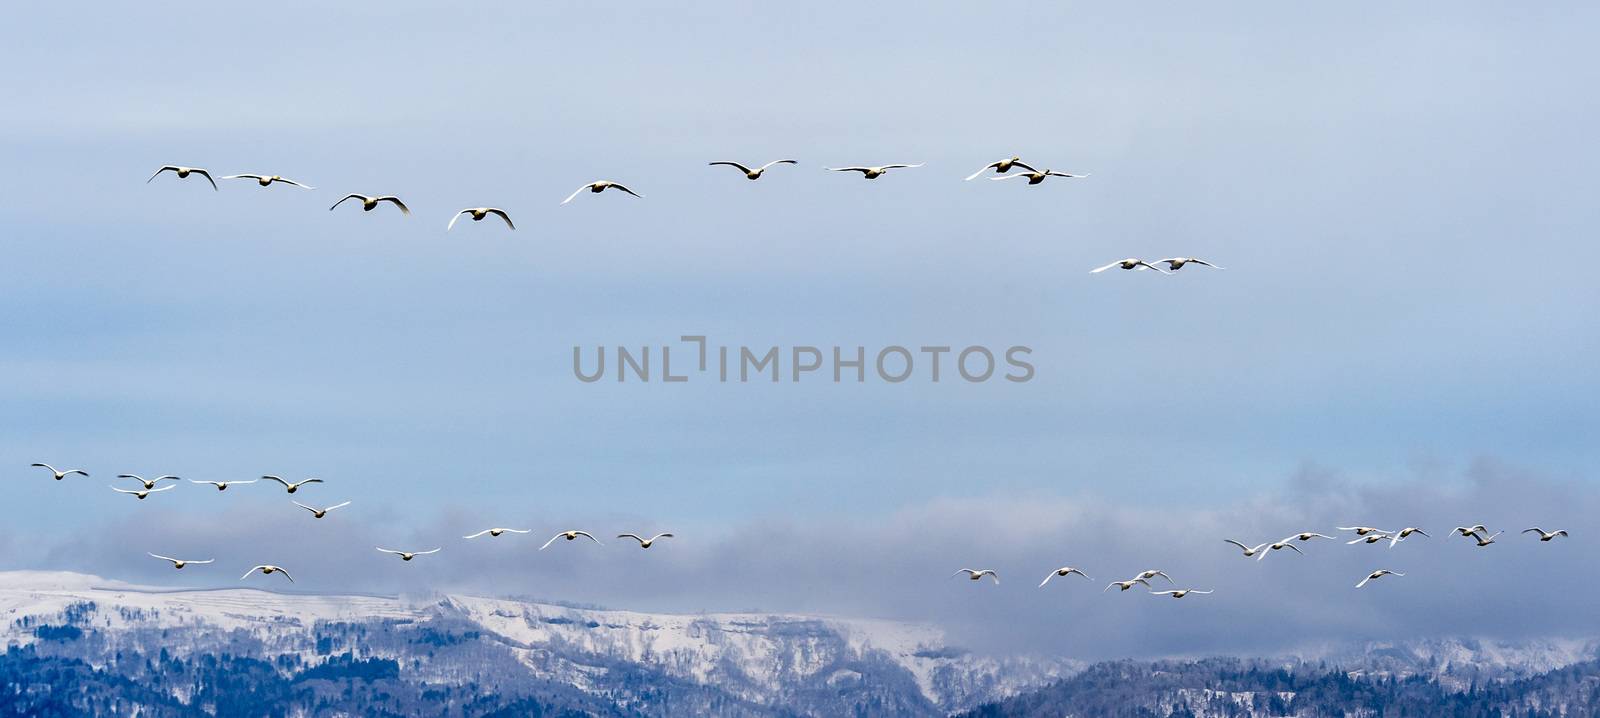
(1402, 195)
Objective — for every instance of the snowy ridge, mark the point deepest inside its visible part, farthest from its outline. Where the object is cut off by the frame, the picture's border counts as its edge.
(756, 657)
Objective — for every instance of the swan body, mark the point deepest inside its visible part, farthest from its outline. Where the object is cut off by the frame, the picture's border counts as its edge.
(183, 173)
(369, 202)
(1063, 571)
(871, 172)
(408, 555)
(478, 213)
(267, 569)
(267, 180)
(179, 563)
(142, 493)
(291, 487)
(319, 513)
(148, 483)
(752, 174)
(495, 532)
(1129, 263)
(599, 186)
(646, 542)
(222, 485)
(569, 535)
(1036, 177)
(1177, 263)
(1375, 575)
(977, 574)
(1546, 535)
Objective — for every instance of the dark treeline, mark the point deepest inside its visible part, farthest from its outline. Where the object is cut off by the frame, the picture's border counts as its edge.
(1229, 687)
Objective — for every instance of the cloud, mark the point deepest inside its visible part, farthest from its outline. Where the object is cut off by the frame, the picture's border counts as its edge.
(897, 565)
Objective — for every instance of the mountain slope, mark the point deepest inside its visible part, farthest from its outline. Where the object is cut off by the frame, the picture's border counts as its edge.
(188, 647)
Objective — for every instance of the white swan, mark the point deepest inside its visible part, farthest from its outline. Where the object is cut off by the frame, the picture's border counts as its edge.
(1063, 571)
(367, 203)
(319, 513)
(568, 535)
(1180, 593)
(1037, 177)
(1129, 263)
(142, 493)
(1001, 167)
(1362, 530)
(1176, 263)
(1308, 535)
(60, 474)
(267, 569)
(871, 172)
(646, 542)
(752, 174)
(179, 563)
(1375, 575)
(148, 483)
(408, 555)
(266, 180)
(1403, 533)
(292, 487)
(478, 213)
(599, 186)
(495, 532)
(222, 485)
(1546, 535)
(977, 574)
(183, 173)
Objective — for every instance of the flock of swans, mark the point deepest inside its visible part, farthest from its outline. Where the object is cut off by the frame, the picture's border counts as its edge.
(1363, 535)
(153, 486)
(1367, 535)
(1001, 170)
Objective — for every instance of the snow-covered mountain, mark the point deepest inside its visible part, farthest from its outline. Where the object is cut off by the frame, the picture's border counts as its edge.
(83, 645)
(585, 659)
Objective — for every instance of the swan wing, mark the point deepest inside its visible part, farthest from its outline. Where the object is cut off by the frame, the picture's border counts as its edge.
(502, 215)
(396, 200)
(575, 193)
(986, 168)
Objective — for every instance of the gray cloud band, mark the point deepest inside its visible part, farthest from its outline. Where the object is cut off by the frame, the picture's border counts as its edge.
(893, 364)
